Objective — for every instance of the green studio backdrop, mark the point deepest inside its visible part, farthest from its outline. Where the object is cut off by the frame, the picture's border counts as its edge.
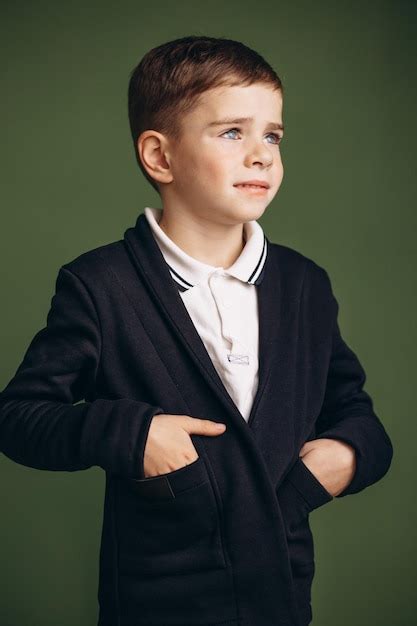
(70, 182)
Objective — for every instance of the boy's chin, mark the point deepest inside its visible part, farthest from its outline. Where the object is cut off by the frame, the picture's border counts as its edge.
(233, 213)
(247, 212)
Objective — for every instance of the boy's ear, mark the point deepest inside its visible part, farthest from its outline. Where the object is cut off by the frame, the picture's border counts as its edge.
(152, 151)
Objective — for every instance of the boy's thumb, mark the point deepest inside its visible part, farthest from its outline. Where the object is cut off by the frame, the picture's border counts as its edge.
(215, 428)
(205, 427)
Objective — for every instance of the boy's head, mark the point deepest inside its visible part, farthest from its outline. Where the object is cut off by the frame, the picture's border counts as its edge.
(176, 94)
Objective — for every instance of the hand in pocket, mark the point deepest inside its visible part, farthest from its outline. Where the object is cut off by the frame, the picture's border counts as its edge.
(169, 445)
(332, 461)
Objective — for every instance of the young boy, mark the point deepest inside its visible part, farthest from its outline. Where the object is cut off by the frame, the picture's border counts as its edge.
(194, 319)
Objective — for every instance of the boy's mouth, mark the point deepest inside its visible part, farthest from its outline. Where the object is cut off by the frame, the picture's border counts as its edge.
(252, 184)
(252, 189)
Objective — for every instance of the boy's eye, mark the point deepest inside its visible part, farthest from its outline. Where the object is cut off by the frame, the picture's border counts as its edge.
(277, 137)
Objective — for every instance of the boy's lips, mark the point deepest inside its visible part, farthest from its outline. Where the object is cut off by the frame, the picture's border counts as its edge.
(258, 188)
(256, 182)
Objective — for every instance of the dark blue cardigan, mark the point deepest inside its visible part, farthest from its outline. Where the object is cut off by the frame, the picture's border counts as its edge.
(225, 540)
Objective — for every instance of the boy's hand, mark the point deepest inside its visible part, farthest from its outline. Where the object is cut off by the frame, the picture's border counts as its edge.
(169, 445)
(332, 461)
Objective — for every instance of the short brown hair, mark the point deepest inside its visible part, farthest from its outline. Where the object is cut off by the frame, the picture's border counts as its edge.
(170, 79)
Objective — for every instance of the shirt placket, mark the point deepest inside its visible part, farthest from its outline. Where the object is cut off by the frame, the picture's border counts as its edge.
(238, 354)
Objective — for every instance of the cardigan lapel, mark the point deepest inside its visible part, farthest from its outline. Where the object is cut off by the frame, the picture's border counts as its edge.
(150, 263)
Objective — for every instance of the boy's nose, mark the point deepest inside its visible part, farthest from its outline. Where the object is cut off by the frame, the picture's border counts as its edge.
(259, 153)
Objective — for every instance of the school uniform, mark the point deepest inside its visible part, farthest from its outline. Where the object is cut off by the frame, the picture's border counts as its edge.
(223, 305)
(224, 540)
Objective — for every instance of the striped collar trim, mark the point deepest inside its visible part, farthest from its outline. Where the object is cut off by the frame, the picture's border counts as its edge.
(187, 271)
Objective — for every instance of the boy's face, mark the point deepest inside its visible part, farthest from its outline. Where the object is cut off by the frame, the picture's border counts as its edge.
(210, 159)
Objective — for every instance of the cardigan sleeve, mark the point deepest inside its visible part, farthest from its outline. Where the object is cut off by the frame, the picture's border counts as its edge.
(41, 426)
(348, 413)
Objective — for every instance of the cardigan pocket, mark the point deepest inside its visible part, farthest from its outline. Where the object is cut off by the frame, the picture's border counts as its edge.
(169, 524)
(300, 493)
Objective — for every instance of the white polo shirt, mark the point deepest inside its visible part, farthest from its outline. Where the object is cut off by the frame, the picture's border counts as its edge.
(223, 306)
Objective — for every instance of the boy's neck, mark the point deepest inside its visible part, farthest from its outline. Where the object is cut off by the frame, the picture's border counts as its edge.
(215, 244)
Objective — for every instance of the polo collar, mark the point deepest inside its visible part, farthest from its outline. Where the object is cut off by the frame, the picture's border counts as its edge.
(188, 272)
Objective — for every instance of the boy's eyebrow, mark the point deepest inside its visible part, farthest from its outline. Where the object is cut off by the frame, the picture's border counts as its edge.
(242, 120)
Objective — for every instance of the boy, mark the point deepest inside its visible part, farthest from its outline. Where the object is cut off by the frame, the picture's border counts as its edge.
(193, 319)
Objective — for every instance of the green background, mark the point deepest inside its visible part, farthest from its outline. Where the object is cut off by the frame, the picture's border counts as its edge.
(70, 183)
